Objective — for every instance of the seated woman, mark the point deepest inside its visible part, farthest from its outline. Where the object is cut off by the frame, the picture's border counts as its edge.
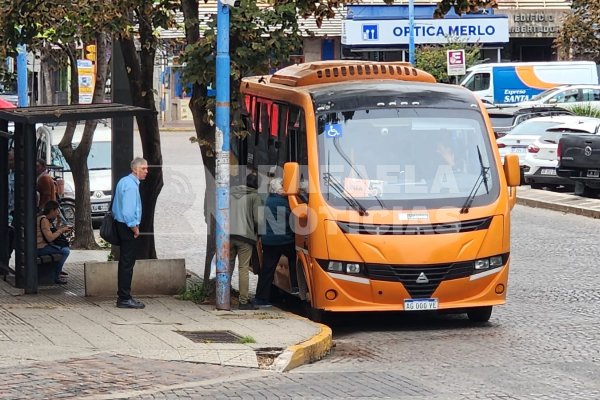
(46, 236)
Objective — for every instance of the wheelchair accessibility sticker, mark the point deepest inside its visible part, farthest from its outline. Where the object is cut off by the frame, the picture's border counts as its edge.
(333, 130)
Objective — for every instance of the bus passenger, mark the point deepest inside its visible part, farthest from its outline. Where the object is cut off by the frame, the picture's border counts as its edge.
(277, 239)
(245, 202)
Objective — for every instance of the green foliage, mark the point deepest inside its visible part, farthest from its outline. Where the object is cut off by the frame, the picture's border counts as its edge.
(579, 35)
(585, 110)
(195, 291)
(247, 339)
(464, 6)
(432, 58)
(260, 39)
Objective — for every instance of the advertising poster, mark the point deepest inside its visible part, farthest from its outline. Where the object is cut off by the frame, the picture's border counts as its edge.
(86, 81)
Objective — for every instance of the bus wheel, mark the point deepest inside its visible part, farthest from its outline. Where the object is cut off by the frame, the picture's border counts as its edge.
(480, 314)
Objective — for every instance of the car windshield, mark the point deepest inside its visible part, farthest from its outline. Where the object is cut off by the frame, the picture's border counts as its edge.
(387, 158)
(544, 94)
(98, 159)
(532, 127)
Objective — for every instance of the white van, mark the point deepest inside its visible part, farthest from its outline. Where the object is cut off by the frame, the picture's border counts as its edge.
(99, 162)
(508, 83)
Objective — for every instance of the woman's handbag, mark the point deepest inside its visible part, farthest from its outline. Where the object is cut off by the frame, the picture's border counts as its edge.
(60, 241)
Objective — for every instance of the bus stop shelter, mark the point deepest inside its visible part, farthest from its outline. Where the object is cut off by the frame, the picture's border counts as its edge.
(24, 144)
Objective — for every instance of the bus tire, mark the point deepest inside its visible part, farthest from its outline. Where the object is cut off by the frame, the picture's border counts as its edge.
(480, 314)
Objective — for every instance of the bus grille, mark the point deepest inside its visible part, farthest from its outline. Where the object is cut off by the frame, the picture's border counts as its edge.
(416, 229)
(409, 274)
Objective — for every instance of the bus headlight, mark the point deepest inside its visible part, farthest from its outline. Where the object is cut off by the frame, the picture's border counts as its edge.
(335, 266)
(353, 268)
(342, 267)
(482, 264)
(489, 263)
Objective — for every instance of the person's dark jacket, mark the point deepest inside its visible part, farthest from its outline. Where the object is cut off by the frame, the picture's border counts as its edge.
(277, 229)
(243, 213)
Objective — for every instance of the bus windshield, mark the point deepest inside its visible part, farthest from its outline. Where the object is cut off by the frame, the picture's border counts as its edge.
(413, 157)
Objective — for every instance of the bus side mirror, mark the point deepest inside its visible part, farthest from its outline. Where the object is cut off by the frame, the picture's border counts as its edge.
(291, 178)
(512, 170)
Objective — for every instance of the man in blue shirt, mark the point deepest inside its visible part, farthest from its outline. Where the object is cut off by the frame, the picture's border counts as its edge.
(127, 212)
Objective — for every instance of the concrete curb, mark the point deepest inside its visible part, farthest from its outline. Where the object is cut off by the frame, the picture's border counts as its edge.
(559, 207)
(306, 352)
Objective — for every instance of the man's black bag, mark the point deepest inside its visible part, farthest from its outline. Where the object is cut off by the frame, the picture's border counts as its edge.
(108, 229)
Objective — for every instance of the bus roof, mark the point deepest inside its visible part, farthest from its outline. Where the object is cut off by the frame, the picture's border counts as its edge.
(320, 72)
(351, 95)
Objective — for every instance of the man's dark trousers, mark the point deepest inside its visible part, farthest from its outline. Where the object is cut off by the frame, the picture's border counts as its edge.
(127, 256)
(271, 255)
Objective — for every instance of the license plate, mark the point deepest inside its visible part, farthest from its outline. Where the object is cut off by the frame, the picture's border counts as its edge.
(548, 171)
(99, 207)
(519, 149)
(420, 304)
(593, 173)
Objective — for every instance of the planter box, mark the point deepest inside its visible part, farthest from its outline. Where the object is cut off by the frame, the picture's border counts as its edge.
(150, 277)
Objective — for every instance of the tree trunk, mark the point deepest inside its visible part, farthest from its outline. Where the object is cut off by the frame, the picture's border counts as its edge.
(140, 72)
(77, 158)
(205, 133)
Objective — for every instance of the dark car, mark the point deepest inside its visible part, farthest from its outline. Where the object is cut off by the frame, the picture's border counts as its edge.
(504, 118)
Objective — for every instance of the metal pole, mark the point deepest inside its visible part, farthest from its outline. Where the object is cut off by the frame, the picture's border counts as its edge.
(22, 76)
(411, 32)
(222, 162)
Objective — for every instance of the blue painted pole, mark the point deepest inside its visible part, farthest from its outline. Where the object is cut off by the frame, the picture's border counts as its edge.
(411, 31)
(223, 301)
(22, 90)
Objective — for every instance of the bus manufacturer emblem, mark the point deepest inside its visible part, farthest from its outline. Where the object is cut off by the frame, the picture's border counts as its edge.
(422, 278)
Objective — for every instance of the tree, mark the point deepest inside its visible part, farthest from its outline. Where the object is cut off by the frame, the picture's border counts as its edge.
(464, 6)
(42, 26)
(148, 16)
(579, 35)
(256, 49)
(432, 58)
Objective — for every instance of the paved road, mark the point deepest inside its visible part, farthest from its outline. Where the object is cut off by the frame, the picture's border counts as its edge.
(544, 344)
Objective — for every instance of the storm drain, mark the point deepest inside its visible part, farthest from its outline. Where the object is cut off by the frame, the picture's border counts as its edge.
(211, 336)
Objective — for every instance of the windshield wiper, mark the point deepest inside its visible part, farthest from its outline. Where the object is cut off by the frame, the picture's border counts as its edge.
(334, 183)
(482, 178)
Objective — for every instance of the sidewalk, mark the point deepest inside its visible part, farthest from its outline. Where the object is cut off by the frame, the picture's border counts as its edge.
(60, 323)
(562, 202)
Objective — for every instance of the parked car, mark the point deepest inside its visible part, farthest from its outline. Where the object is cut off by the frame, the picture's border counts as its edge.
(505, 118)
(567, 96)
(579, 160)
(541, 159)
(99, 163)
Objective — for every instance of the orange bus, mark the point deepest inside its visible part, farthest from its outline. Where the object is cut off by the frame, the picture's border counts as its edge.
(400, 200)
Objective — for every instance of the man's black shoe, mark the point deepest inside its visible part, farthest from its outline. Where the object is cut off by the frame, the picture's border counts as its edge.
(131, 303)
(247, 306)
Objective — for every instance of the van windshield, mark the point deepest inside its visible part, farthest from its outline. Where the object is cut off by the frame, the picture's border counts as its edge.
(428, 157)
(98, 159)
